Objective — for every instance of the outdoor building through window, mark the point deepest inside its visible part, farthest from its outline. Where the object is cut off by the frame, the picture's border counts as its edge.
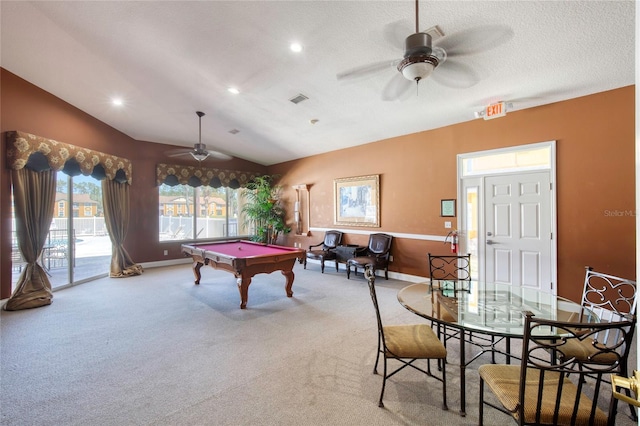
(77, 247)
(203, 212)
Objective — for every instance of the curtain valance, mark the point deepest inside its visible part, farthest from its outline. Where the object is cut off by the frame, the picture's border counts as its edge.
(172, 174)
(51, 154)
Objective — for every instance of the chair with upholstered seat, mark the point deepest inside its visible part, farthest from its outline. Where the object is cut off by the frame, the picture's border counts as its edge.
(332, 239)
(405, 343)
(377, 255)
(548, 388)
(609, 298)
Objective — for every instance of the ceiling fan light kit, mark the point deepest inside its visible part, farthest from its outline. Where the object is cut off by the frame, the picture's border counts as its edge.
(415, 68)
(199, 152)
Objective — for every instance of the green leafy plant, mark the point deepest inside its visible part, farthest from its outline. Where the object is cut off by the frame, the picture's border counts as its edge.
(264, 210)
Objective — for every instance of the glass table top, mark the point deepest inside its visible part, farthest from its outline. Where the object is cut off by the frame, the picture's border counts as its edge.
(489, 307)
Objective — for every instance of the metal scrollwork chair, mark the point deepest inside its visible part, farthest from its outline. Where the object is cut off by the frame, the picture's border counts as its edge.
(377, 255)
(548, 387)
(453, 271)
(405, 343)
(454, 268)
(332, 239)
(609, 298)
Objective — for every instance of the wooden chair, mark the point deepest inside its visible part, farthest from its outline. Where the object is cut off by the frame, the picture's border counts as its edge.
(548, 388)
(377, 255)
(405, 343)
(332, 239)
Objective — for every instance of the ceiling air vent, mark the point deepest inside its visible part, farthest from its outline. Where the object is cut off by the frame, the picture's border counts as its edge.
(298, 98)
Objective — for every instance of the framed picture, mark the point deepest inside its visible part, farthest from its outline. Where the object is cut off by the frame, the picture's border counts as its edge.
(357, 201)
(447, 208)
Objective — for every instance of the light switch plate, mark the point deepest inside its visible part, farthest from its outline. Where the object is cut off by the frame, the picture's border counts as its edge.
(447, 225)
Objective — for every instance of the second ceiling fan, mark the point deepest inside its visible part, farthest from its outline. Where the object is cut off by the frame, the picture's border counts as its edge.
(199, 152)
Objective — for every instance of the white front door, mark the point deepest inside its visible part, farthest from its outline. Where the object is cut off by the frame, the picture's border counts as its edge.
(518, 230)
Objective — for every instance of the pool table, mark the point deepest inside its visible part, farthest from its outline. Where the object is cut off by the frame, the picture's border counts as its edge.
(244, 259)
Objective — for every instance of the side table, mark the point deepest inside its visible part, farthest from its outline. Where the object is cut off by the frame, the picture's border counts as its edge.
(346, 252)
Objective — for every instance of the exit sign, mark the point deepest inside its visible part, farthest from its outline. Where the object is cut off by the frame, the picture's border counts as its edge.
(495, 111)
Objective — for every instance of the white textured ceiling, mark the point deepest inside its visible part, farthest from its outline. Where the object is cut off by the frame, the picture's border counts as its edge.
(170, 59)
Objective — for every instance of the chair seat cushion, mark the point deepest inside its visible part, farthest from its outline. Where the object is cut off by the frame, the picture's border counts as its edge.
(321, 254)
(584, 350)
(413, 341)
(362, 260)
(504, 382)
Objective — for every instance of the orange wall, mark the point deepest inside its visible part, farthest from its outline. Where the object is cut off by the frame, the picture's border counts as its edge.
(595, 174)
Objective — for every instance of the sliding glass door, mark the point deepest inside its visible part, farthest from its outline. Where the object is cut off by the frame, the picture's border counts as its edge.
(77, 247)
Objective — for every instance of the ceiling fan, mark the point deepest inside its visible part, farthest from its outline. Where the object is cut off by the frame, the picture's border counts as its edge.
(199, 151)
(429, 53)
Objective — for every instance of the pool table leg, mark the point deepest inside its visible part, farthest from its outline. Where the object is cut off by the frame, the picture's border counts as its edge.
(289, 276)
(196, 271)
(243, 288)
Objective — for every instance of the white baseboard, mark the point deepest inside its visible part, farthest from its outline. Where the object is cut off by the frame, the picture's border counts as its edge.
(169, 262)
(395, 275)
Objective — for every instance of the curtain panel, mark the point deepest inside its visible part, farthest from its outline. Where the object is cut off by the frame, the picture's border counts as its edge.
(34, 197)
(116, 213)
(58, 156)
(173, 174)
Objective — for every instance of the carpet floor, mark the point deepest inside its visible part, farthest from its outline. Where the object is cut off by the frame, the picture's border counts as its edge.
(158, 350)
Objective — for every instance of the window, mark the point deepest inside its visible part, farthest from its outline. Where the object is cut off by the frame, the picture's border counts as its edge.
(203, 212)
(527, 157)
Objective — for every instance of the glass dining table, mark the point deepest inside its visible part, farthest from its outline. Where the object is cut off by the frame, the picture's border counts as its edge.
(485, 314)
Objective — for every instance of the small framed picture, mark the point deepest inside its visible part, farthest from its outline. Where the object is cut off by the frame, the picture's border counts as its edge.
(447, 208)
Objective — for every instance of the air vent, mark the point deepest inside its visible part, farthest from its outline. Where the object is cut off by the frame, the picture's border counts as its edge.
(435, 32)
(298, 98)
(234, 131)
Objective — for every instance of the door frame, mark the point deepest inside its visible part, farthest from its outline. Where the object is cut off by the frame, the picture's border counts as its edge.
(477, 179)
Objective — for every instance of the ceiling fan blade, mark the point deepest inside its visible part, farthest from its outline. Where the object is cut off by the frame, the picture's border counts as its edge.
(452, 73)
(365, 70)
(177, 152)
(397, 89)
(475, 40)
(396, 32)
(219, 155)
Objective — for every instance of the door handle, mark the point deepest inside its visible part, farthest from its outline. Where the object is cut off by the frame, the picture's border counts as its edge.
(490, 242)
(630, 383)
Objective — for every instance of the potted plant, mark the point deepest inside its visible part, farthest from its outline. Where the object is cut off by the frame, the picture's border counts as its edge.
(264, 210)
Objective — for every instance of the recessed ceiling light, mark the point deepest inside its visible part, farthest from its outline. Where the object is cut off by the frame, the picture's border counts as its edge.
(233, 90)
(117, 101)
(295, 47)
